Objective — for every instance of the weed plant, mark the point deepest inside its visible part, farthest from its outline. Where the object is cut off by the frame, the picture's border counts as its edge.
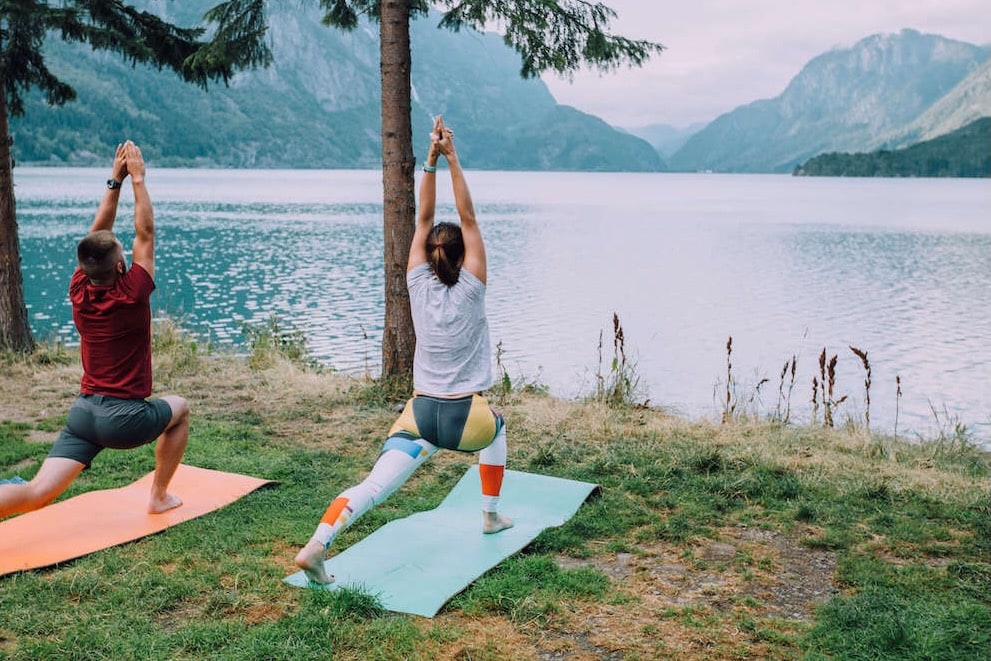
(508, 385)
(620, 384)
(737, 408)
(785, 389)
(272, 340)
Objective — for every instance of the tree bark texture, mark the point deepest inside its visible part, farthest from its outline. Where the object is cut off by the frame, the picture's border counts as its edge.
(15, 332)
(398, 163)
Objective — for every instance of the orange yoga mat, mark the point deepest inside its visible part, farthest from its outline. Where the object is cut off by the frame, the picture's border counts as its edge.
(100, 519)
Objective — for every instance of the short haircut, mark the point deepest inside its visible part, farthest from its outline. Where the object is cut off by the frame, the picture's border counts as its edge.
(98, 256)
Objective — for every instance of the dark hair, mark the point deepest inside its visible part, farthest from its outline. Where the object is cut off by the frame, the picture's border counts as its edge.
(446, 252)
(98, 255)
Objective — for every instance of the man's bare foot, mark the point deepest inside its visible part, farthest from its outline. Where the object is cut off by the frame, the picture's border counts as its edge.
(493, 522)
(310, 560)
(159, 505)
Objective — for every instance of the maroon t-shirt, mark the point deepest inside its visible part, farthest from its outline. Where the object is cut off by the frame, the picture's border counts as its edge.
(114, 324)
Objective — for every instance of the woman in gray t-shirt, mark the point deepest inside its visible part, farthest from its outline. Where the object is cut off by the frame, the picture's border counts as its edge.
(452, 365)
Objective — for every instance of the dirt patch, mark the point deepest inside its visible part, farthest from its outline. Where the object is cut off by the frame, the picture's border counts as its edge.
(688, 599)
(784, 577)
(802, 577)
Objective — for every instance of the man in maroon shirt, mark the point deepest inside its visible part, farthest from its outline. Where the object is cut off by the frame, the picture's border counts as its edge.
(112, 312)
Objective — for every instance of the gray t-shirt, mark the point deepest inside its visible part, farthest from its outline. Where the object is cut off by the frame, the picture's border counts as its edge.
(453, 354)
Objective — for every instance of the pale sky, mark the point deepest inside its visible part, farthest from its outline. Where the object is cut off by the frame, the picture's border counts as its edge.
(721, 54)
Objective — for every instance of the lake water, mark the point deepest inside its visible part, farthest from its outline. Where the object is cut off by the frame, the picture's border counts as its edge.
(899, 268)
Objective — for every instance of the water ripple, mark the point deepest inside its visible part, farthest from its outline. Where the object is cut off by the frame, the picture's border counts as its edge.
(786, 266)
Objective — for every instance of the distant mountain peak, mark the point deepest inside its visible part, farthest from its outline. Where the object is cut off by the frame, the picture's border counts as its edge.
(846, 99)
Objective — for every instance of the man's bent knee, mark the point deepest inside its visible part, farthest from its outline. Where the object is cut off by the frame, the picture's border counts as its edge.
(180, 409)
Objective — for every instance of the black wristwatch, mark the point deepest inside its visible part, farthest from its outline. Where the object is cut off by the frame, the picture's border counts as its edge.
(113, 184)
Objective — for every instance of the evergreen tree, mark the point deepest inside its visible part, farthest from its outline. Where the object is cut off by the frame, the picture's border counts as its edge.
(235, 42)
(549, 35)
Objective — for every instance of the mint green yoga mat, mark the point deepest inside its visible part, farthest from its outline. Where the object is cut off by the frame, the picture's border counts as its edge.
(414, 565)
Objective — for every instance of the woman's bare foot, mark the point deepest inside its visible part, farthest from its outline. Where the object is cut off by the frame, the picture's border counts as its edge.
(164, 504)
(310, 560)
(493, 522)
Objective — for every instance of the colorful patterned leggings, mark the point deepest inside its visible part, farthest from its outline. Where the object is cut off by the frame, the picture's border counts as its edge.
(426, 424)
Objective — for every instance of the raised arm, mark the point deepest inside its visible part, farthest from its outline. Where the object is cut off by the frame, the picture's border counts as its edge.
(106, 213)
(428, 200)
(470, 233)
(143, 250)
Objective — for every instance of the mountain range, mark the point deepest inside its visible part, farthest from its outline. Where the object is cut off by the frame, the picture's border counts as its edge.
(887, 91)
(318, 106)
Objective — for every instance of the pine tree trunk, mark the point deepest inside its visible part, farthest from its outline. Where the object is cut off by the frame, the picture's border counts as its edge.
(15, 332)
(398, 339)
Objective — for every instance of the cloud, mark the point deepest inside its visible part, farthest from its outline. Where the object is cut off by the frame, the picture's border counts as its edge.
(721, 54)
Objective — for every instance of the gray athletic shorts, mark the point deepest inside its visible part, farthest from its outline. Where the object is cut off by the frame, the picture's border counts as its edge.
(97, 421)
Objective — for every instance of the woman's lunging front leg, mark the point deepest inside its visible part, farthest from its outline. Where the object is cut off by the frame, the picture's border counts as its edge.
(400, 457)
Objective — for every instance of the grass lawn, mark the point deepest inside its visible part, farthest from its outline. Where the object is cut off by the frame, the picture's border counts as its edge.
(750, 539)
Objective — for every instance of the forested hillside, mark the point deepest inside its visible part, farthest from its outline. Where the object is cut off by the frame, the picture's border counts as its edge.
(965, 152)
(317, 106)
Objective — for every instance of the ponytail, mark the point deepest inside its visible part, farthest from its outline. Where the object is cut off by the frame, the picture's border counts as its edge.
(446, 252)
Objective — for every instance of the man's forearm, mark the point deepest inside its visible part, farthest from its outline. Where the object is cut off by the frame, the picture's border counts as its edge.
(144, 216)
(107, 211)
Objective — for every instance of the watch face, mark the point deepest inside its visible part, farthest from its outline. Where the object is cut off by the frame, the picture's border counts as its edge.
(113, 185)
